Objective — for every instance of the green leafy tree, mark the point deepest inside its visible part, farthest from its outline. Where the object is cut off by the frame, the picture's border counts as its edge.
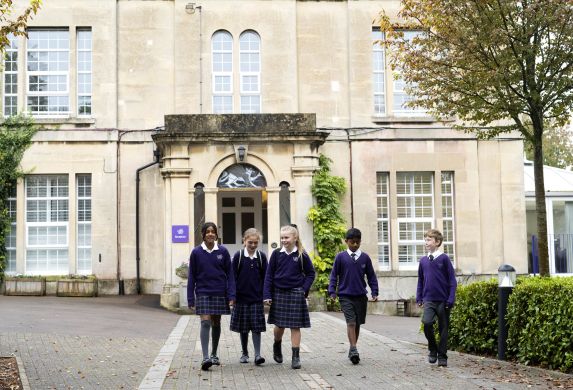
(16, 25)
(328, 223)
(15, 137)
(557, 148)
(496, 65)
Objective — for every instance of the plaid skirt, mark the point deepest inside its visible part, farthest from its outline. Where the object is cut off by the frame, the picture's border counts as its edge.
(248, 317)
(206, 304)
(289, 309)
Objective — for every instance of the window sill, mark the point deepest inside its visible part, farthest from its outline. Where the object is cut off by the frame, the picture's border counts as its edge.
(65, 121)
(398, 273)
(385, 119)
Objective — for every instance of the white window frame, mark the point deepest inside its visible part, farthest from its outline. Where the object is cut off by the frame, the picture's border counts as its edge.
(84, 197)
(81, 44)
(60, 248)
(11, 239)
(256, 74)
(54, 73)
(397, 79)
(448, 198)
(378, 71)
(11, 71)
(411, 263)
(224, 94)
(383, 201)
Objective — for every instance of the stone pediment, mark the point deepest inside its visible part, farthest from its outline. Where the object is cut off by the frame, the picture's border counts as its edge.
(252, 128)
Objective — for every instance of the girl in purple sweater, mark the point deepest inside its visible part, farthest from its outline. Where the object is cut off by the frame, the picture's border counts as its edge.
(249, 267)
(287, 283)
(210, 289)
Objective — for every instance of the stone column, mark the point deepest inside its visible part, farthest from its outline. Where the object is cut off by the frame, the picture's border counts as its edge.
(273, 211)
(175, 172)
(305, 164)
(211, 205)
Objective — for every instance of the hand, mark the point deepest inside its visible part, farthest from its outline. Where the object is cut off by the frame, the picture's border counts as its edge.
(268, 302)
(374, 298)
(333, 297)
(420, 304)
(231, 303)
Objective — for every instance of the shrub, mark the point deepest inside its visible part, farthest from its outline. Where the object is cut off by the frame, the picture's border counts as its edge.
(327, 221)
(473, 321)
(540, 322)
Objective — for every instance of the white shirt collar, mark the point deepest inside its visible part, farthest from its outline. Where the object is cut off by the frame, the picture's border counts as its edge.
(358, 253)
(436, 253)
(246, 254)
(295, 249)
(215, 247)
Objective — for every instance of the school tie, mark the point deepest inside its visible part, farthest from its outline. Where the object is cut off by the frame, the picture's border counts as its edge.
(431, 257)
(353, 256)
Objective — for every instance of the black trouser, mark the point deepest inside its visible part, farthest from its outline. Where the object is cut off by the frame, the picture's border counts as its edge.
(431, 311)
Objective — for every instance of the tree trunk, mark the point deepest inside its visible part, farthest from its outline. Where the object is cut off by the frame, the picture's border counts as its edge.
(540, 197)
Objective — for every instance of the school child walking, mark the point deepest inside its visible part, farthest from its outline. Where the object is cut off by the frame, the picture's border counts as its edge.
(210, 289)
(436, 292)
(249, 268)
(287, 283)
(347, 279)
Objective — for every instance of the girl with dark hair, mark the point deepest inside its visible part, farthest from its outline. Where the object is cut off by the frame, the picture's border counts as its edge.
(210, 289)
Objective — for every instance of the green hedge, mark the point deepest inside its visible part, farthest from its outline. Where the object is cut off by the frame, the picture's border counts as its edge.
(473, 321)
(540, 321)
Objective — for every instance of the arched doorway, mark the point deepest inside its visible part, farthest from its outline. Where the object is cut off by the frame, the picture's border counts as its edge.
(242, 204)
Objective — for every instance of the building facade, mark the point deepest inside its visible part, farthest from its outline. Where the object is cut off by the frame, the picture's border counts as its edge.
(160, 115)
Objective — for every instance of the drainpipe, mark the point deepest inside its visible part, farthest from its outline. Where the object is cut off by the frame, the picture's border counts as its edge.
(351, 181)
(137, 258)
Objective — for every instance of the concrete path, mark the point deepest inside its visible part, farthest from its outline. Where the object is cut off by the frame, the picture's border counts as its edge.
(130, 343)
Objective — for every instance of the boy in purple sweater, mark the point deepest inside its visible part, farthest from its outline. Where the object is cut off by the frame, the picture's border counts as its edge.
(348, 273)
(210, 289)
(437, 293)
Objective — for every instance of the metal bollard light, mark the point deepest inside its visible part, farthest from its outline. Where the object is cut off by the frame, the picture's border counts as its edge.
(505, 283)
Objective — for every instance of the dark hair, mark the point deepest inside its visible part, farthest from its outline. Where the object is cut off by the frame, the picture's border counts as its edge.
(353, 234)
(206, 226)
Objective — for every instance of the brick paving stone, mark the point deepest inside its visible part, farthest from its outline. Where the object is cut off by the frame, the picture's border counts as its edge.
(386, 363)
(114, 344)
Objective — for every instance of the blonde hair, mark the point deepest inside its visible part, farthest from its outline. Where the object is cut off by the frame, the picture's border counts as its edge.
(293, 230)
(252, 232)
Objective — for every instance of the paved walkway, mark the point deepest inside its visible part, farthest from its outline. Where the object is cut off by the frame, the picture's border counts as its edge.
(129, 343)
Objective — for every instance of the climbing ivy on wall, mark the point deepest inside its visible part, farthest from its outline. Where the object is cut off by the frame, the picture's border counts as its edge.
(329, 225)
(16, 134)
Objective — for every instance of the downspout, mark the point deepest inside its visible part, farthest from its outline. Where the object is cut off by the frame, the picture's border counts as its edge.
(200, 59)
(137, 257)
(351, 180)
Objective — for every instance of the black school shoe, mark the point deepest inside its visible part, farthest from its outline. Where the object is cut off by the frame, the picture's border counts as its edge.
(432, 357)
(206, 364)
(442, 362)
(354, 356)
(215, 360)
(259, 360)
(277, 352)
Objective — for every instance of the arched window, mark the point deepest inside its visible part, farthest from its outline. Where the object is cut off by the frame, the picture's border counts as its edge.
(222, 51)
(250, 72)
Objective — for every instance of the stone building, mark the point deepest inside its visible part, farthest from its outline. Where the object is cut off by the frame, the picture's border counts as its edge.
(218, 111)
